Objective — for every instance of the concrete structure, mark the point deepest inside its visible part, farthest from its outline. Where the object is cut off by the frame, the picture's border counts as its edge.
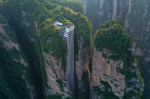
(56, 23)
(67, 32)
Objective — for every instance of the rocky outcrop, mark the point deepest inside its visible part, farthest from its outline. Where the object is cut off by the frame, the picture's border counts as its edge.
(115, 72)
(105, 69)
(9, 45)
(56, 77)
(108, 81)
(55, 65)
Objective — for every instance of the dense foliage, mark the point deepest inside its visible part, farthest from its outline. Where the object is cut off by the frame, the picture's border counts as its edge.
(112, 36)
(57, 46)
(52, 11)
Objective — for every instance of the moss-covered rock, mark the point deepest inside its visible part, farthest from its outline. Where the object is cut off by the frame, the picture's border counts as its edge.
(118, 73)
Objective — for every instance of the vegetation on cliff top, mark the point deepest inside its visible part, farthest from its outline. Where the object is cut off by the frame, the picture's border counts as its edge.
(135, 15)
(111, 36)
(45, 14)
(33, 40)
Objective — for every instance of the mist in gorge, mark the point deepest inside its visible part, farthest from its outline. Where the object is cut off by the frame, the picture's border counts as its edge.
(74, 49)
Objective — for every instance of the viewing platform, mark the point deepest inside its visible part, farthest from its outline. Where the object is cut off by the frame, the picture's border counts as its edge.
(65, 31)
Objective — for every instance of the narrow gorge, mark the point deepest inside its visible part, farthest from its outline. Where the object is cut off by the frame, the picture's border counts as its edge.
(74, 49)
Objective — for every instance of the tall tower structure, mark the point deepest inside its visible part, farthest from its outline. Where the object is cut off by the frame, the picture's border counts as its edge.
(67, 32)
(70, 58)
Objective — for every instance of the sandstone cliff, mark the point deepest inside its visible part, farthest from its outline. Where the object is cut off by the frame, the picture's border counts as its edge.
(105, 70)
(107, 81)
(115, 72)
(135, 15)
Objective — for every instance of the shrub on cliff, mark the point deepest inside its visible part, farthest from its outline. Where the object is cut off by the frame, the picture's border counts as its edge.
(112, 36)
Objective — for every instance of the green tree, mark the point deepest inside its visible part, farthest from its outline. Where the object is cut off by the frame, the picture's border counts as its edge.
(112, 36)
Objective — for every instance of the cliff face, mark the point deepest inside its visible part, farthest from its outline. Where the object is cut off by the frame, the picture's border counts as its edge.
(105, 70)
(107, 81)
(56, 77)
(101, 10)
(56, 73)
(135, 15)
(14, 66)
(82, 72)
(114, 69)
(29, 62)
